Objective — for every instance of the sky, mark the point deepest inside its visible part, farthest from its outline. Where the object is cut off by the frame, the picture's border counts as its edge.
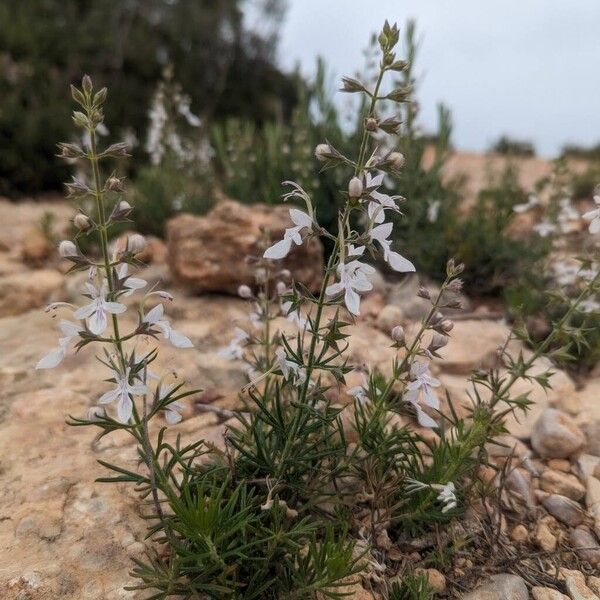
(526, 68)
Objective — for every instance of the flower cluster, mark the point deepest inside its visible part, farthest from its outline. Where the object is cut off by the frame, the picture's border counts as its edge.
(109, 285)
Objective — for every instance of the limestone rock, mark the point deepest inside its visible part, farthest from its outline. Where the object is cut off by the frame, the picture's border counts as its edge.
(585, 545)
(435, 579)
(208, 254)
(564, 509)
(545, 593)
(36, 248)
(389, 317)
(555, 435)
(23, 291)
(545, 538)
(500, 587)
(577, 589)
(565, 484)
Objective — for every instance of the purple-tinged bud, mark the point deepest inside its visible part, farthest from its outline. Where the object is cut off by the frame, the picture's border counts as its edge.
(82, 222)
(114, 184)
(371, 124)
(396, 160)
(436, 319)
(136, 243)
(86, 84)
(397, 334)
(121, 210)
(355, 188)
(455, 285)
(245, 292)
(281, 287)
(447, 325)
(423, 292)
(67, 249)
(322, 152)
(285, 273)
(438, 341)
(164, 295)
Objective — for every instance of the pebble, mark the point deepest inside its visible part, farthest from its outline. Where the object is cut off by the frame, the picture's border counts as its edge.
(559, 464)
(577, 589)
(545, 538)
(555, 435)
(594, 584)
(519, 534)
(592, 496)
(503, 586)
(436, 579)
(586, 465)
(564, 509)
(546, 593)
(565, 484)
(585, 545)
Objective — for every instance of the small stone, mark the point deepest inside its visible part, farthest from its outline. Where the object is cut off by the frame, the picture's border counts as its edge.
(594, 584)
(436, 580)
(577, 589)
(519, 534)
(504, 586)
(587, 464)
(565, 484)
(545, 538)
(559, 464)
(389, 316)
(592, 496)
(546, 593)
(585, 545)
(564, 509)
(555, 435)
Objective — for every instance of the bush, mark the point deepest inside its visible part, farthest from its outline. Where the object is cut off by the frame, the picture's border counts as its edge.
(291, 507)
(45, 46)
(513, 147)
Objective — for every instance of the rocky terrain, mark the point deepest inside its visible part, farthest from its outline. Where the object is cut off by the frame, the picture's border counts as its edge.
(65, 536)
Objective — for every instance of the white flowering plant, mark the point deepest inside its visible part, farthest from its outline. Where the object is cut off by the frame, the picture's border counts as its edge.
(332, 467)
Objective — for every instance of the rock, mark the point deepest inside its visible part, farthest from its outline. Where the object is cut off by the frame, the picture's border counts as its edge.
(555, 435)
(21, 292)
(519, 534)
(592, 496)
(36, 248)
(545, 538)
(565, 484)
(435, 579)
(589, 415)
(389, 317)
(594, 584)
(559, 464)
(500, 587)
(577, 589)
(564, 509)
(546, 593)
(586, 465)
(208, 254)
(351, 592)
(586, 545)
(473, 343)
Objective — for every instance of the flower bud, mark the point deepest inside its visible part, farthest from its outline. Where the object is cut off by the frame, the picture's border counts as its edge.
(447, 325)
(355, 188)
(121, 210)
(455, 285)
(114, 184)
(244, 292)
(136, 243)
(397, 334)
(281, 287)
(396, 160)
(86, 84)
(423, 292)
(371, 124)
(322, 152)
(67, 249)
(437, 341)
(82, 222)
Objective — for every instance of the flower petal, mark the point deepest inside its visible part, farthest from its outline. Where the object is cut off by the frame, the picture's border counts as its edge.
(278, 250)
(179, 340)
(352, 301)
(98, 322)
(154, 315)
(116, 308)
(109, 396)
(399, 263)
(52, 359)
(124, 408)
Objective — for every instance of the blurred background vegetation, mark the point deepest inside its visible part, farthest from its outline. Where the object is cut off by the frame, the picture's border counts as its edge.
(198, 95)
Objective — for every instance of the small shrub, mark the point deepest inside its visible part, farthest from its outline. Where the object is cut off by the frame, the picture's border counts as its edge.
(513, 147)
(290, 507)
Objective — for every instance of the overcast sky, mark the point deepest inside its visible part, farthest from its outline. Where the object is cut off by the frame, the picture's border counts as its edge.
(528, 68)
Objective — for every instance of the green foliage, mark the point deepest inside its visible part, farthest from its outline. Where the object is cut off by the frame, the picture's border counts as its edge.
(47, 45)
(412, 586)
(513, 147)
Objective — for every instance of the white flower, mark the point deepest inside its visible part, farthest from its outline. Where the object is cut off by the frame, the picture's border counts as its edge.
(594, 216)
(531, 202)
(122, 393)
(379, 202)
(360, 392)
(67, 249)
(172, 414)
(155, 317)
(422, 384)
(96, 311)
(289, 368)
(353, 278)
(447, 495)
(380, 234)
(544, 228)
(235, 349)
(56, 355)
(293, 234)
(131, 283)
